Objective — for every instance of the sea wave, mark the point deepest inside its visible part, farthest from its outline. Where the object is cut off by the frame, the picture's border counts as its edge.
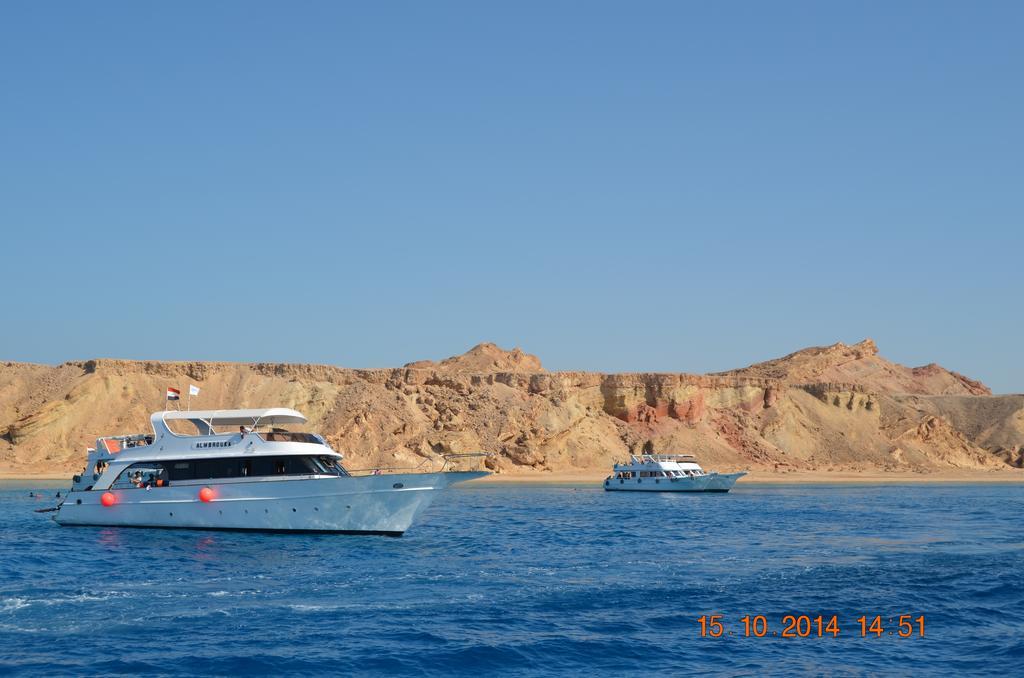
(529, 581)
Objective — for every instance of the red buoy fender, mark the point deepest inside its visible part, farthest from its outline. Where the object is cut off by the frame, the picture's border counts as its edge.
(206, 494)
(108, 499)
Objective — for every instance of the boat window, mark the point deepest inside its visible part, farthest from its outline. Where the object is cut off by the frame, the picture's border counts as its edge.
(234, 467)
(332, 465)
(141, 475)
(282, 436)
(278, 466)
(218, 468)
(285, 466)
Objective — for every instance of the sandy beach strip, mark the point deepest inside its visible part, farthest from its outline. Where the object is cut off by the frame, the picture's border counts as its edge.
(782, 478)
(582, 478)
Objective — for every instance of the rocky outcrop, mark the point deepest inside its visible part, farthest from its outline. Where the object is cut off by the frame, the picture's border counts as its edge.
(860, 364)
(837, 407)
(485, 357)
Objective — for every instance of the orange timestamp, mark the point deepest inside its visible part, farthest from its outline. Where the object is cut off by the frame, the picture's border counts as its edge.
(808, 626)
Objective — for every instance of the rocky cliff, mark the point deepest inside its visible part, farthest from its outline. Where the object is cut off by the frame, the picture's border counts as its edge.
(830, 408)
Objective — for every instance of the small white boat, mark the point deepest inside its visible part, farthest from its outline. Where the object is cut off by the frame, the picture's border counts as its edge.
(254, 476)
(667, 473)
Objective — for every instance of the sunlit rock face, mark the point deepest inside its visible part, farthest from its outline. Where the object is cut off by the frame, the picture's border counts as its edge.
(837, 407)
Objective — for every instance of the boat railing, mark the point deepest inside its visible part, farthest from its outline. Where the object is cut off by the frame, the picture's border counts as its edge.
(655, 458)
(114, 444)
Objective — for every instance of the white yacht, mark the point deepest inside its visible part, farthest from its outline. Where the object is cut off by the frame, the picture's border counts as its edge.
(667, 473)
(252, 476)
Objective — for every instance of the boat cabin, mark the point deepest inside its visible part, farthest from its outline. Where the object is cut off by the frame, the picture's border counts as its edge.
(224, 444)
(659, 466)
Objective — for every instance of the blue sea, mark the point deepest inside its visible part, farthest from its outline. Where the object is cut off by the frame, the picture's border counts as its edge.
(534, 580)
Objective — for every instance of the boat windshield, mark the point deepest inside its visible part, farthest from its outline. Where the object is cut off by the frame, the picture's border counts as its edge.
(332, 466)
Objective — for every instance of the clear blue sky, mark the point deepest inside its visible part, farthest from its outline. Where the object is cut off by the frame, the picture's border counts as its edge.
(677, 186)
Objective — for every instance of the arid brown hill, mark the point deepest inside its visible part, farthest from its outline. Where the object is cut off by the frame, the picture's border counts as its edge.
(838, 407)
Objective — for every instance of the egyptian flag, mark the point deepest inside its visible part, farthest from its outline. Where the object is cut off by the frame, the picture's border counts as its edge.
(173, 394)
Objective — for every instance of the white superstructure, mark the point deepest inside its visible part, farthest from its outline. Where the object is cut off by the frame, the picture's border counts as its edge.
(240, 470)
(667, 473)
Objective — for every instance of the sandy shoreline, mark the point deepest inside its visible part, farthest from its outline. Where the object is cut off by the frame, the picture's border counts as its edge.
(755, 478)
(794, 477)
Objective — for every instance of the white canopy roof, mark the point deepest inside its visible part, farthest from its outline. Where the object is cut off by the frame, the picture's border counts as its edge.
(206, 419)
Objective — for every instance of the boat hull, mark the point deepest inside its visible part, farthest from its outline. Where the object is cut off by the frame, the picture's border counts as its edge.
(711, 482)
(384, 504)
